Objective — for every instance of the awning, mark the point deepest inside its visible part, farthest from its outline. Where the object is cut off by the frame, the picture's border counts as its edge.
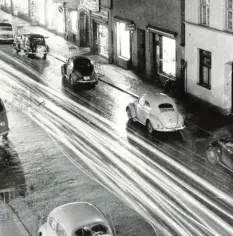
(164, 32)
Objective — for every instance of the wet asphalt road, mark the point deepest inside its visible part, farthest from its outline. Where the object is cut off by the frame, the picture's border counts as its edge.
(93, 125)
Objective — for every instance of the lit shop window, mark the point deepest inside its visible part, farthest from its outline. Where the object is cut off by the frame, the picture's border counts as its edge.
(168, 56)
(73, 21)
(21, 6)
(123, 40)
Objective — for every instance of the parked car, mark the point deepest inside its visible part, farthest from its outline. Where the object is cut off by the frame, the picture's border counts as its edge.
(4, 128)
(156, 111)
(78, 71)
(6, 32)
(76, 219)
(32, 44)
(221, 151)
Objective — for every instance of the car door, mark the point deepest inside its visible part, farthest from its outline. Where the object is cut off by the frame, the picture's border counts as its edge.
(69, 67)
(51, 227)
(143, 109)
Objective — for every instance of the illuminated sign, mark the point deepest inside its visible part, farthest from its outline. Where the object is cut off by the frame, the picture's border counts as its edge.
(92, 5)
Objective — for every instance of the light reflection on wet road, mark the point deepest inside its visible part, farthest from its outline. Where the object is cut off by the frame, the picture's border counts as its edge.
(181, 191)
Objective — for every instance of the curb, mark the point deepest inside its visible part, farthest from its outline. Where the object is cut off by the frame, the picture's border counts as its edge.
(63, 59)
(22, 228)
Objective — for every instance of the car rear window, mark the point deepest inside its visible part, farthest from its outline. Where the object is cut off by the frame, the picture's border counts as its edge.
(166, 107)
(84, 66)
(5, 27)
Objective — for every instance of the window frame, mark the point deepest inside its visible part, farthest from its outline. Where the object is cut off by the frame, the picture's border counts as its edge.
(202, 56)
(227, 20)
(205, 20)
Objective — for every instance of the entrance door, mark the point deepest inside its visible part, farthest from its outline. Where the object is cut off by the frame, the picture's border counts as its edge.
(156, 40)
(84, 29)
(102, 31)
(141, 51)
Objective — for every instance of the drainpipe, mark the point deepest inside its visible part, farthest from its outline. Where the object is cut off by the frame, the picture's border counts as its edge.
(65, 19)
(12, 8)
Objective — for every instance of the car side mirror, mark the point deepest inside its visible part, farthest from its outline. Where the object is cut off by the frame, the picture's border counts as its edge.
(46, 37)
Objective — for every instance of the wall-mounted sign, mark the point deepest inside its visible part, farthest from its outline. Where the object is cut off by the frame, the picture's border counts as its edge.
(101, 14)
(130, 27)
(92, 5)
(32, 10)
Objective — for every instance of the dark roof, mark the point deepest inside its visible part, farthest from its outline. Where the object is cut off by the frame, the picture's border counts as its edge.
(80, 58)
(34, 35)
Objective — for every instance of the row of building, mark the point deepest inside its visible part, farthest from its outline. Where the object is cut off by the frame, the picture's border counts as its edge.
(189, 40)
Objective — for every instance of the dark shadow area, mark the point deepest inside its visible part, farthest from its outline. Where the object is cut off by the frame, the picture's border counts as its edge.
(12, 179)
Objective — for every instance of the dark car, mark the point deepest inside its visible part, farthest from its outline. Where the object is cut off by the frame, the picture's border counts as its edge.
(221, 151)
(79, 70)
(32, 44)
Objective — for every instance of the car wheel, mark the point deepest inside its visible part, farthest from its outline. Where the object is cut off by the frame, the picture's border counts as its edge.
(129, 113)
(212, 155)
(149, 127)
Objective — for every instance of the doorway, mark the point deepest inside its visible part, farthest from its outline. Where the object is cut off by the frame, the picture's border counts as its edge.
(141, 51)
(83, 29)
(156, 65)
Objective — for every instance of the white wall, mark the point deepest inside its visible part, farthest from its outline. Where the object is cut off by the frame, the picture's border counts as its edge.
(217, 13)
(220, 46)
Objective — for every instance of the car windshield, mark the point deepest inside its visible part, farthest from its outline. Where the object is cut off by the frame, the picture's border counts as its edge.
(36, 39)
(5, 27)
(164, 107)
(84, 66)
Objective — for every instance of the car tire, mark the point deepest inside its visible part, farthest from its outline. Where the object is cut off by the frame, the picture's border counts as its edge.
(149, 127)
(212, 155)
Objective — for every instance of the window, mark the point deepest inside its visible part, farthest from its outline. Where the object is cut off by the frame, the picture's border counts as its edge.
(60, 230)
(147, 104)
(166, 107)
(168, 55)
(52, 223)
(205, 68)
(73, 21)
(123, 41)
(229, 15)
(205, 12)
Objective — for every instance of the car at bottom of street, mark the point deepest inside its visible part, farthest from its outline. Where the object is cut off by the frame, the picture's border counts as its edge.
(4, 128)
(6, 32)
(76, 219)
(34, 45)
(221, 151)
(79, 71)
(157, 112)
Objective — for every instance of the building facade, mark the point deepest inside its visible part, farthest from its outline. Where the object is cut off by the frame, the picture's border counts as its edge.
(208, 50)
(148, 37)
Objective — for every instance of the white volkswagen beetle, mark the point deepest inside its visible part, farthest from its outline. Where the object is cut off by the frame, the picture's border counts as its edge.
(156, 111)
(76, 219)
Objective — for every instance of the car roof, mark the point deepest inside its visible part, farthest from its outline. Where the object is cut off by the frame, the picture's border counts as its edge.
(76, 215)
(157, 98)
(34, 35)
(80, 58)
(5, 24)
